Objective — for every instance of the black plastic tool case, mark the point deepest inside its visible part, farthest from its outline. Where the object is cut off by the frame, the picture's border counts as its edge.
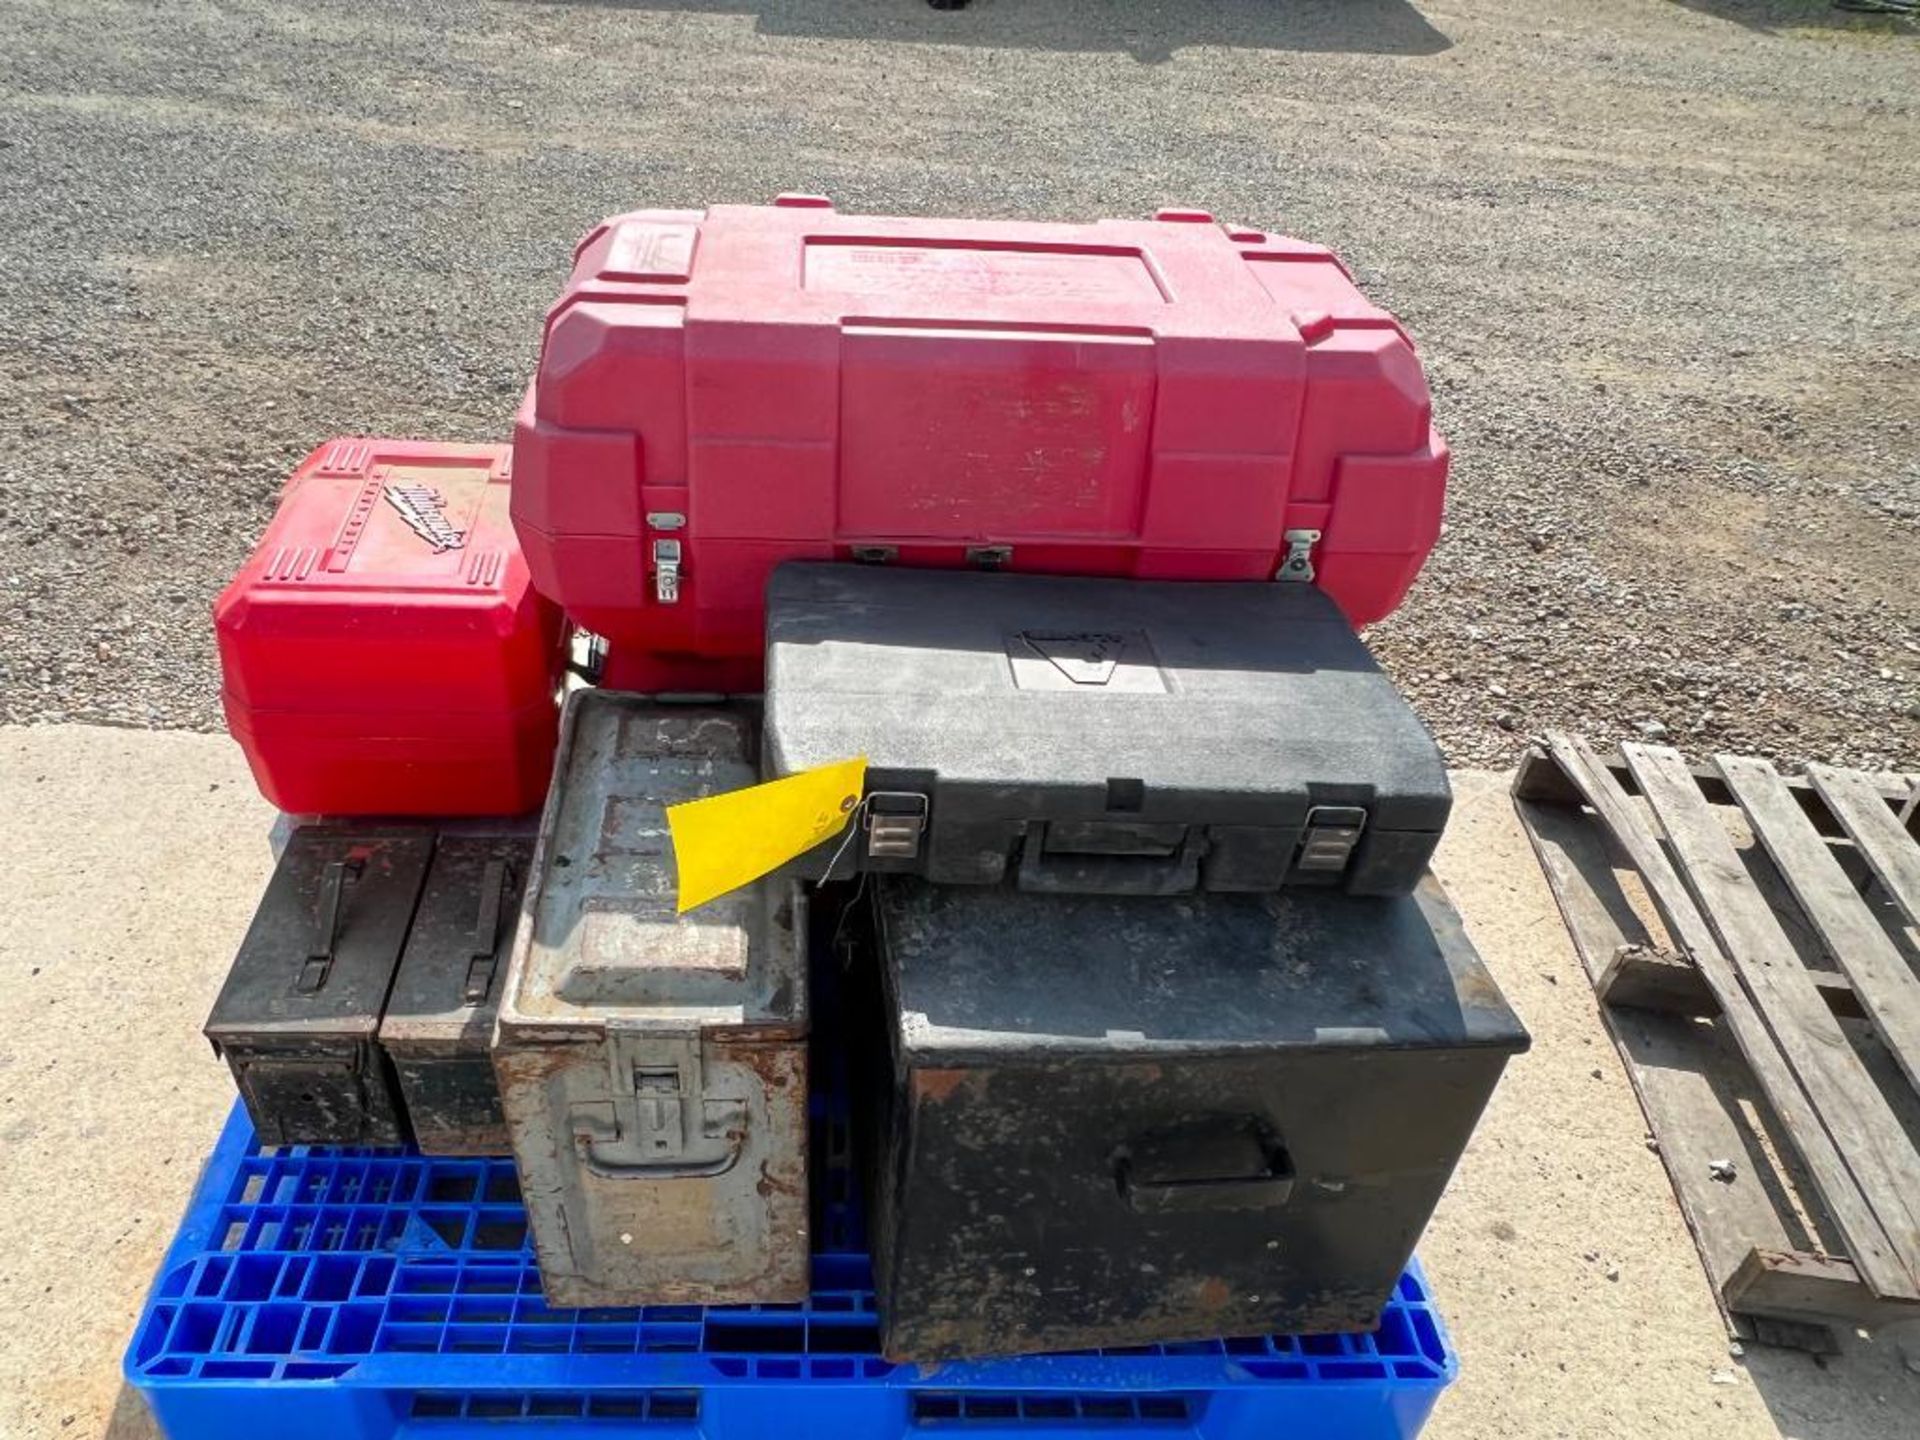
(298, 1017)
(1099, 736)
(1104, 1121)
(440, 1014)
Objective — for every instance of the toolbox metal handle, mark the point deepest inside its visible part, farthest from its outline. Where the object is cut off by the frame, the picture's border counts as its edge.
(667, 1127)
(640, 1154)
(1235, 1165)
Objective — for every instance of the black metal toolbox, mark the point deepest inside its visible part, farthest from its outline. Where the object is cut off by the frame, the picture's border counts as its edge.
(298, 1016)
(1099, 736)
(1105, 1121)
(440, 1014)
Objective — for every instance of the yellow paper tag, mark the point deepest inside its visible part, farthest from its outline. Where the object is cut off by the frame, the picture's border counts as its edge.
(725, 841)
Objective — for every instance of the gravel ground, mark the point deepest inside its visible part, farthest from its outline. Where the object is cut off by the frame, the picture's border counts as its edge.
(1660, 258)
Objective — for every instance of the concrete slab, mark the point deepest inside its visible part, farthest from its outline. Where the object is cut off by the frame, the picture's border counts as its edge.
(130, 866)
(1560, 1255)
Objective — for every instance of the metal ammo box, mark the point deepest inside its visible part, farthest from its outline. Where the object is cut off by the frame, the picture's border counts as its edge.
(1100, 736)
(439, 1021)
(652, 1067)
(1114, 1120)
(297, 1018)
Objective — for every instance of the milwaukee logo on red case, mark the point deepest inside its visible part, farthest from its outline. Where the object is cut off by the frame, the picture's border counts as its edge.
(425, 511)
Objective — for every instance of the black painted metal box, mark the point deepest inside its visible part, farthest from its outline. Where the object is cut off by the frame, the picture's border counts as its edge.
(1103, 1121)
(440, 1014)
(298, 1017)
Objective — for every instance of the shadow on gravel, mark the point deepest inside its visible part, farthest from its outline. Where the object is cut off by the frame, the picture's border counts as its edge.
(1772, 17)
(1150, 34)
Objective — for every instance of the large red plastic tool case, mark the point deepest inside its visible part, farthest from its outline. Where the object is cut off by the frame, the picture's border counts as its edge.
(721, 390)
(383, 650)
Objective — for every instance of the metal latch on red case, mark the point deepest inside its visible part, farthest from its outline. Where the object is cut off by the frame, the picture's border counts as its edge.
(1297, 565)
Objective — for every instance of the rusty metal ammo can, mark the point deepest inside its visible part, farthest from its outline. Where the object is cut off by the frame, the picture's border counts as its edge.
(439, 1022)
(297, 1019)
(652, 1066)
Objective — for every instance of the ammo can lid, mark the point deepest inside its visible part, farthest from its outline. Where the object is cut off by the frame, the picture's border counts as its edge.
(599, 946)
(447, 989)
(320, 954)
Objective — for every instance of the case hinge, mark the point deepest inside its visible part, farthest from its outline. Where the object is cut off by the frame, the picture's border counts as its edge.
(1332, 832)
(658, 1119)
(1297, 566)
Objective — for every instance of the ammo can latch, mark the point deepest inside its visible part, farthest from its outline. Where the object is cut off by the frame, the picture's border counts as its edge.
(657, 1121)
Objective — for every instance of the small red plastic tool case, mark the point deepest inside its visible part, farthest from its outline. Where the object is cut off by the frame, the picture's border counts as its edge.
(383, 650)
(725, 389)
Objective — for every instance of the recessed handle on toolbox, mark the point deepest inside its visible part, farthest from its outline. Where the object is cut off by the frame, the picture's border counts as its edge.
(326, 925)
(1081, 872)
(1230, 1165)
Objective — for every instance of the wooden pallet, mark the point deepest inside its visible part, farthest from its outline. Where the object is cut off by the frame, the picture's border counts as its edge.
(1751, 941)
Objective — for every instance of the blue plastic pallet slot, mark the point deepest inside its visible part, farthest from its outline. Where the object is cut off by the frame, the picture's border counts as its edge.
(343, 1294)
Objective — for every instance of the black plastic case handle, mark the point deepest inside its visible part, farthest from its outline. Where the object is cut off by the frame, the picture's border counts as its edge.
(1057, 872)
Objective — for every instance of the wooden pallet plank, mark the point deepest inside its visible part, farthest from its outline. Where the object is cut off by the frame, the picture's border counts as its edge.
(1539, 777)
(1794, 1285)
(1867, 1242)
(1856, 800)
(1647, 979)
(1850, 1108)
(1693, 1086)
(1888, 989)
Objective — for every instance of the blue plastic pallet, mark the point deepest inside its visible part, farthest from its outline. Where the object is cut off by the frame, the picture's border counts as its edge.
(336, 1294)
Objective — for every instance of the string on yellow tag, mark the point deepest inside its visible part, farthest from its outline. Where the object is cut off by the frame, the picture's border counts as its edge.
(725, 841)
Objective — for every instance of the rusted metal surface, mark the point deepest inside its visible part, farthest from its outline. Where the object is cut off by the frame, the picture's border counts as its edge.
(452, 1100)
(1115, 1120)
(297, 1018)
(446, 995)
(652, 1067)
(731, 1231)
